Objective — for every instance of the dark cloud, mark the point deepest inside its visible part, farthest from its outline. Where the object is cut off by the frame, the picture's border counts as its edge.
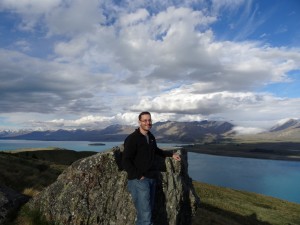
(121, 58)
(31, 85)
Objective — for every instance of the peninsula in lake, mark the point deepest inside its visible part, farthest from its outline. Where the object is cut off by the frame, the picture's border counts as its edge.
(97, 144)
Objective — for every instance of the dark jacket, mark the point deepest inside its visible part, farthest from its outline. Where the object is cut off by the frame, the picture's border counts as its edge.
(139, 157)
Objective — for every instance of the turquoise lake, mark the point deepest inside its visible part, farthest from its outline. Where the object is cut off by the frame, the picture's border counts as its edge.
(280, 179)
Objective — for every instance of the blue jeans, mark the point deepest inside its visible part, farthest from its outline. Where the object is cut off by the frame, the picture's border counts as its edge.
(143, 194)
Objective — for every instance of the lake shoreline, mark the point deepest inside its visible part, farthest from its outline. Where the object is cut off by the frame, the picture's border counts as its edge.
(287, 151)
(269, 151)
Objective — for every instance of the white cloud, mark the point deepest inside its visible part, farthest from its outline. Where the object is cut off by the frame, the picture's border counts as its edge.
(247, 130)
(74, 48)
(134, 18)
(110, 61)
(34, 85)
(88, 122)
(30, 11)
(74, 17)
(227, 4)
(30, 6)
(23, 45)
(257, 111)
(186, 100)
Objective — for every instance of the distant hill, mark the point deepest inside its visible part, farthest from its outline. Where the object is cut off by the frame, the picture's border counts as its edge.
(169, 131)
(12, 133)
(190, 131)
(287, 125)
(288, 130)
(69, 135)
(164, 131)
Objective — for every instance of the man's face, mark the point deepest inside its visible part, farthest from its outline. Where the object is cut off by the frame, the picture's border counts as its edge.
(145, 122)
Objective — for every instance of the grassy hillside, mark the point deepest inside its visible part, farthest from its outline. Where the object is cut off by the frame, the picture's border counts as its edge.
(55, 155)
(219, 206)
(22, 174)
(35, 169)
(224, 206)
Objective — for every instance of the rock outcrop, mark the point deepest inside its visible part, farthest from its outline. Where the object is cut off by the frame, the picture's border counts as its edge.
(94, 191)
(10, 201)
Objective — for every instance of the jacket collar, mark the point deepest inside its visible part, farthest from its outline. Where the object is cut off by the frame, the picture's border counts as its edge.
(139, 132)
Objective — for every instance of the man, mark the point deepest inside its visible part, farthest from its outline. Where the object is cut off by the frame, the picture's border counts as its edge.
(139, 153)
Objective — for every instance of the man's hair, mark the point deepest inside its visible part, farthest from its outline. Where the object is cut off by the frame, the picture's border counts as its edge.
(143, 113)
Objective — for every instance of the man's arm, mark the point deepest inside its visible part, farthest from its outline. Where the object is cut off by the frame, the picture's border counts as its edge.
(163, 153)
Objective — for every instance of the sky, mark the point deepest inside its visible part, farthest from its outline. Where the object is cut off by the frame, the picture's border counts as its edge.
(68, 64)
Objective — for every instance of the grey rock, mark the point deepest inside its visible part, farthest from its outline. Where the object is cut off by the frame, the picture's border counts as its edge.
(10, 202)
(94, 191)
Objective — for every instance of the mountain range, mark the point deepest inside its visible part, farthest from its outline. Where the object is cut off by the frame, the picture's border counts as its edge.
(170, 131)
(288, 131)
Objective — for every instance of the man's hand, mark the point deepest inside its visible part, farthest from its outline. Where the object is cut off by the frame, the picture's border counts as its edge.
(176, 157)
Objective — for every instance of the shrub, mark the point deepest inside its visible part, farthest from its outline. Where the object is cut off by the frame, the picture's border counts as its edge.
(42, 167)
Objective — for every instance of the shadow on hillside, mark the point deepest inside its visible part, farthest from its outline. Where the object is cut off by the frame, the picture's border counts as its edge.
(210, 215)
(59, 156)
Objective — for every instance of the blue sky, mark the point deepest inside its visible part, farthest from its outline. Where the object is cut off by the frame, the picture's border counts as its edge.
(68, 64)
(271, 22)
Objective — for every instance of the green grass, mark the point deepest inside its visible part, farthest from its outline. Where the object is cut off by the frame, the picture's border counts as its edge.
(31, 171)
(55, 155)
(219, 206)
(27, 216)
(20, 173)
(224, 206)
